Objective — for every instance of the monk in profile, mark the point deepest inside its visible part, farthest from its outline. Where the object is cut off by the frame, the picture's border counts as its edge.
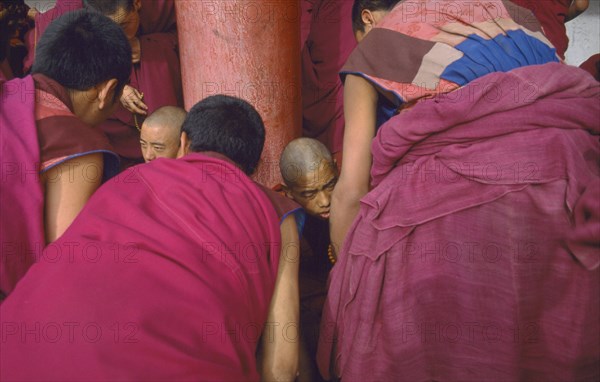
(160, 135)
(53, 159)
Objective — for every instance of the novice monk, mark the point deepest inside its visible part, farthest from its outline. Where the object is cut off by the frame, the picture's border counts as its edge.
(52, 157)
(160, 135)
(155, 75)
(310, 174)
(169, 283)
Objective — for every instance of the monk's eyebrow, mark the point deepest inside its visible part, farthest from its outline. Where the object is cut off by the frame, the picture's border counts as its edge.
(331, 182)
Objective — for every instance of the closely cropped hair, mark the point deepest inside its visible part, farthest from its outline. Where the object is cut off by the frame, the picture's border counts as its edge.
(229, 126)
(371, 5)
(109, 7)
(81, 49)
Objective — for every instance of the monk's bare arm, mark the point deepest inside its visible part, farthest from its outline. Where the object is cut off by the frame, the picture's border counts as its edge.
(360, 102)
(281, 340)
(68, 187)
(577, 7)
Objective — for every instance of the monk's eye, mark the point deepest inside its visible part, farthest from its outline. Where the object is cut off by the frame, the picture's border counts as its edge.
(159, 148)
(308, 195)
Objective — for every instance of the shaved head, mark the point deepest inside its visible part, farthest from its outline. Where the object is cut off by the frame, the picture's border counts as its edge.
(161, 133)
(302, 156)
(167, 117)
(309, 174)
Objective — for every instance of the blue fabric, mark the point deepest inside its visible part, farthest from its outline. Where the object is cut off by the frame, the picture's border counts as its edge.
(300, 217)
(500, 54)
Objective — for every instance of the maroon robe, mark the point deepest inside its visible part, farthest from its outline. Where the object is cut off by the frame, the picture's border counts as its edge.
(158, 76)
(167, 274)
(328, 45)
(552, 14)
(477, 254)
(156, 16)
(38, 131)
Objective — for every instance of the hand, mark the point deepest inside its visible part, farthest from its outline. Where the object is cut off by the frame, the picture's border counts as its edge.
(132, 100)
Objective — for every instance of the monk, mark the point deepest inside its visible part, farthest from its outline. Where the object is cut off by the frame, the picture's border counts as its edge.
(309, 174)
(155, 75)
(160, 136)
(178, 270)
(474, 252)
(53, 159)
(327, 46)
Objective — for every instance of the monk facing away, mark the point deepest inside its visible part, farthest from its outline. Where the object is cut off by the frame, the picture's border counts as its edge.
(175, 270)
(52, 157)
(160, 135)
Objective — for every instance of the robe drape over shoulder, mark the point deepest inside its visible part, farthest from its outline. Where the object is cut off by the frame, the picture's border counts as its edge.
(476, 255)
(38, 131)
(167, 274)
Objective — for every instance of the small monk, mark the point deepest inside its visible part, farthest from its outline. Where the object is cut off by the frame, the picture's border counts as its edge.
(160, 135)
(53, 159)
(309, 175)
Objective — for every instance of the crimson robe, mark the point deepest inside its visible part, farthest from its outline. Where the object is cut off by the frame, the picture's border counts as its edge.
(327, 47)
(477, 254)
(38, 131)
(167, 274)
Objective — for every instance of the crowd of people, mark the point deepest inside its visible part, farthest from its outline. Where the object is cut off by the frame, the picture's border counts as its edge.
(438, 220)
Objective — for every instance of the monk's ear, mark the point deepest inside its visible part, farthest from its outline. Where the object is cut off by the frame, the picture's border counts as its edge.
(106, 93)
(137, 5)
(184, 145)
(367, 18)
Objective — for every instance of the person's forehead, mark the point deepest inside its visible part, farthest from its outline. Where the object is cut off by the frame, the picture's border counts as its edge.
(316, 178)
(158, 132)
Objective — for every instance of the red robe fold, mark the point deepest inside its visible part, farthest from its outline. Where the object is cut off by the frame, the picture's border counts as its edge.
(327, 47)
(552, 14)
(476, 256)
(167, 274)
(38, 130)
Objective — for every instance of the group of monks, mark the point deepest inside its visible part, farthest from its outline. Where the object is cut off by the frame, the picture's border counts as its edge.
(136, 246)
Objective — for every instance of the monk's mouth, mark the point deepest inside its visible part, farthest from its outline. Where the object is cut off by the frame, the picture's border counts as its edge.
(325, 215)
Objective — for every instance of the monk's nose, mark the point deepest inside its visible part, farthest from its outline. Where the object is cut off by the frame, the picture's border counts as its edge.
(149, 155)
(323, 199)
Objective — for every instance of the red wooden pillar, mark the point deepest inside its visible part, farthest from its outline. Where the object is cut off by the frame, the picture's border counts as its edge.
(248, 49)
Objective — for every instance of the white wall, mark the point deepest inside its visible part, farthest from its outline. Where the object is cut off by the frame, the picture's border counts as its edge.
(41, 5)
(584, 35)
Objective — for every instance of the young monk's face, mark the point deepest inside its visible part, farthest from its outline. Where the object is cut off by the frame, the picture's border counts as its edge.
(159, 142)
(313, 189)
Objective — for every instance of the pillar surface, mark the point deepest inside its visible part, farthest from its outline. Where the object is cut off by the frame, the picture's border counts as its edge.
(249, 49)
